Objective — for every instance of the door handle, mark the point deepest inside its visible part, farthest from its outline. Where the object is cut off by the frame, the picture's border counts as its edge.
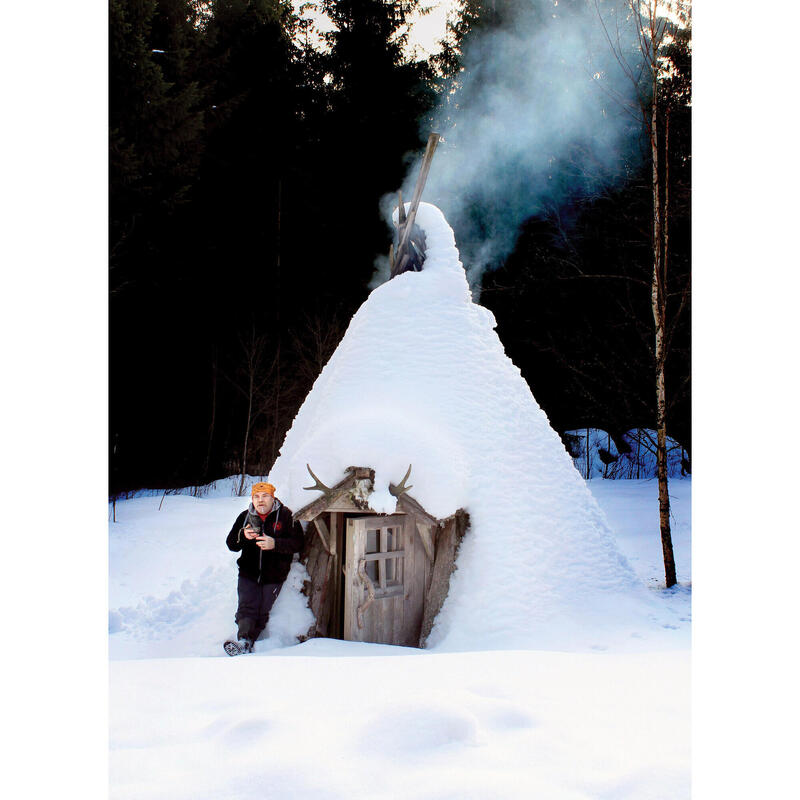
(362, 574)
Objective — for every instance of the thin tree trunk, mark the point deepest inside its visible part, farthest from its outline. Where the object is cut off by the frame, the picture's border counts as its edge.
(658, 298)
(587, 454)
(278, 321)
(638, 454)
(276, 416)
(246, 435)
(213, 414)
(278, 238)
(666, 196)
(663, 488)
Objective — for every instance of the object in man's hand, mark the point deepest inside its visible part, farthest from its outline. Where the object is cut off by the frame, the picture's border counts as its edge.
(253, 521)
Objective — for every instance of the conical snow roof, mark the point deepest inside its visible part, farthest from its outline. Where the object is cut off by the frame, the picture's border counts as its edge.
(422, 378)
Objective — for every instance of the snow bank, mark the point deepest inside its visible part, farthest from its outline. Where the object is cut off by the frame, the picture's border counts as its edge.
(172, 581)
(422, 378)
(596, 455)
(290, 617)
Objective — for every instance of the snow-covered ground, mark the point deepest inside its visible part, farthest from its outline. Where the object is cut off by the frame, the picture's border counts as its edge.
(330, 719)
(557, 666)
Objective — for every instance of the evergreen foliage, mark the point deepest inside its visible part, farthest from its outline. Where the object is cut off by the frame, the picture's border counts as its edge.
(247, 168)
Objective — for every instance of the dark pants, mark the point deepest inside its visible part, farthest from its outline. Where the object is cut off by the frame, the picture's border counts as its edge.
(255, 603)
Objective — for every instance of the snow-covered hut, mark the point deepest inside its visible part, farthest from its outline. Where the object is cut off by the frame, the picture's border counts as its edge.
(493, 537)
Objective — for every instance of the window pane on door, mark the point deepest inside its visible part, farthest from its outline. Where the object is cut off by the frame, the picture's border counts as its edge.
(372, 570)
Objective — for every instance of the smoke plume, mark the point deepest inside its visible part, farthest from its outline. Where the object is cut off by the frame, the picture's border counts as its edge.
(543, 116)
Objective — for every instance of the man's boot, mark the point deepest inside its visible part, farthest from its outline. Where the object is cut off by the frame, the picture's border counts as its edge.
(238, 647)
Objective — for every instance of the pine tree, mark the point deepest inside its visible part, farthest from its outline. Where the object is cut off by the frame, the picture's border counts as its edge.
(378, 96)
(249, 63)
(155, 128)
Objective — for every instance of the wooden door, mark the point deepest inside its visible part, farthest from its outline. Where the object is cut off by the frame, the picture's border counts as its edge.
(381, 603)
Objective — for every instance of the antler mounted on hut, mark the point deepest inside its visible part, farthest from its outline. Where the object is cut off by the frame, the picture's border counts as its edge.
(401, 487)
(318, 484)
(410, 252)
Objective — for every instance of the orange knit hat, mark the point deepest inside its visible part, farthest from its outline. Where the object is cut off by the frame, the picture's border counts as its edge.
(263, 487)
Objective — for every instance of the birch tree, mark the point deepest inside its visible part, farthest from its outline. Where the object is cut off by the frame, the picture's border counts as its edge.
(650, 69)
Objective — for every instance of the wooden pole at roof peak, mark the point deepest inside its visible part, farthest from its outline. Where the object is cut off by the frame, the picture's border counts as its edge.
(399, 259)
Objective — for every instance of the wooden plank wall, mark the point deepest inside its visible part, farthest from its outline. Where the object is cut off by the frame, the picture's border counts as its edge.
(448, 540)
(321, 588)
(335, 616)
(352, 584)
(418, 570)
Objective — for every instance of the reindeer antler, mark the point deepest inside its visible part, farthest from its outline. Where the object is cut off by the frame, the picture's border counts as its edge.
(401, 488)
(318, 484)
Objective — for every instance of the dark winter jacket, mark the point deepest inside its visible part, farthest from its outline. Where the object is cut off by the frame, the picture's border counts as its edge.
(267, 566)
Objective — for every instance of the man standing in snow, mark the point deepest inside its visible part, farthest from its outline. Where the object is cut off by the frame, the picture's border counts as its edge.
(267, 537)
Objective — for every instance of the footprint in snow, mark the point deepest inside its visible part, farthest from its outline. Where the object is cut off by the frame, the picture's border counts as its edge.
(237, 732)
(508, 717)
(489, 690)
(419, 730)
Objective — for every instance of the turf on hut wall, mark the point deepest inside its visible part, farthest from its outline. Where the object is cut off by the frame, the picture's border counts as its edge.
(376, 577)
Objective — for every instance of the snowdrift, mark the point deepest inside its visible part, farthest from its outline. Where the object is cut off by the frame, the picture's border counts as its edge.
(597, 455)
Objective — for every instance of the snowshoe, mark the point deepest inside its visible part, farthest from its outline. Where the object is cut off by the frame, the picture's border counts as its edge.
(238, 647)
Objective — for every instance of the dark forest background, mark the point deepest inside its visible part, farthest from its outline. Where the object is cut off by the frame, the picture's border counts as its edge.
(247, 164)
